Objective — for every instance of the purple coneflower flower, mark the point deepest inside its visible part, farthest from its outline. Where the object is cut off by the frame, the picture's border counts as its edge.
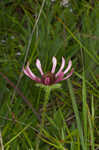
(50, 77)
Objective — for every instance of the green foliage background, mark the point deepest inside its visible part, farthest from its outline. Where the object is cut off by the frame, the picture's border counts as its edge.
(31, 29)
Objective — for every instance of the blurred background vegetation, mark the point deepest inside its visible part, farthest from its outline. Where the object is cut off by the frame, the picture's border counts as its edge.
(31, 29)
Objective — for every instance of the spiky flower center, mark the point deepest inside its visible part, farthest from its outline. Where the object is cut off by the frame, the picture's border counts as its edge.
(48, 78)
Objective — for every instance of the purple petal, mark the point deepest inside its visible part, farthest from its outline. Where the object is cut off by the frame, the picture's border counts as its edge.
(54, 60)
(62, 66)
(38, 64)
(69, 74)
(68, 67)
(60, 77)
(30, 74)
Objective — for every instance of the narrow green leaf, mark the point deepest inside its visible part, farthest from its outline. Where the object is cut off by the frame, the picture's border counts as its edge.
(75, 107)
(84, 109)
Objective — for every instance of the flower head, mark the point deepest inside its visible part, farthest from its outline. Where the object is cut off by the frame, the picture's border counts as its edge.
(50, 78)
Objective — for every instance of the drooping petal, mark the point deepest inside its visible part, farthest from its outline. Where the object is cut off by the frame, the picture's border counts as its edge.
(68, 67)
(62, 66)
(69, 74)
(38, 64)
(30, 74)
(54, 60)
(60, 77)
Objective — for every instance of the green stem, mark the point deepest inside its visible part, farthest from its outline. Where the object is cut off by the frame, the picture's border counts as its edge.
(47, 94)
(47, 89)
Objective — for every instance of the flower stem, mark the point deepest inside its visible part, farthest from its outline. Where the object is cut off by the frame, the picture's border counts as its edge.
(47, 90)
(47, 94)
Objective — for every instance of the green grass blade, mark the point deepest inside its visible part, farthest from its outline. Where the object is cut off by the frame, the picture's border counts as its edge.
(75, 107)
(84, 109)
(78, 41)
(16, 135)
(91, 131)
